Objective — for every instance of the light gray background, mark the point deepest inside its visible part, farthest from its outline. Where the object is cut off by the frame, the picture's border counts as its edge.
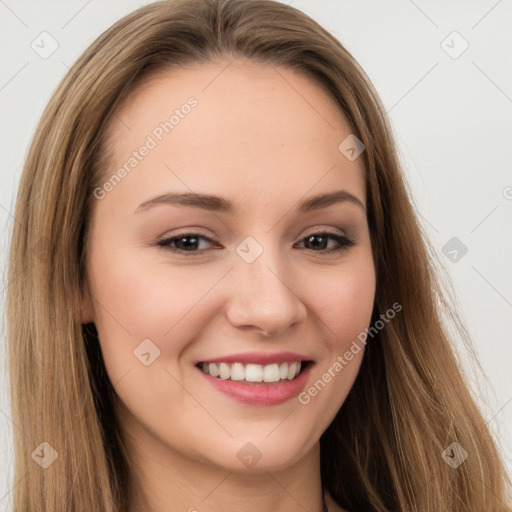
(451, 116)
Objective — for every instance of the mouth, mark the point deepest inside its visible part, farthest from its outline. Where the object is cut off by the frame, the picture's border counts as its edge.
(260, 380)
(250, 373)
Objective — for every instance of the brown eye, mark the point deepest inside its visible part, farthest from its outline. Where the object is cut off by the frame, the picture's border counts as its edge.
(184, 243)
(321, 239)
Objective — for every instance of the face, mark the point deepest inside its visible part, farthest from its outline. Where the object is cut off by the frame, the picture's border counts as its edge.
(208, 308)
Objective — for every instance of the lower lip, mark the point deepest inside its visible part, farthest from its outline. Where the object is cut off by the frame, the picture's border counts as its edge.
(260, 393)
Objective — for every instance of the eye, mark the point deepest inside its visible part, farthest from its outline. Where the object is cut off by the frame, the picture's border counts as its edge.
(183, 243)
(320, 238)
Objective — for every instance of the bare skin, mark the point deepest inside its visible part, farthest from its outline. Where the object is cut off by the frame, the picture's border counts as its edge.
(264, 138)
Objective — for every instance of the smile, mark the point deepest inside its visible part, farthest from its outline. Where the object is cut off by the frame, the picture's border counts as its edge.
(257, 379)
(268, 373)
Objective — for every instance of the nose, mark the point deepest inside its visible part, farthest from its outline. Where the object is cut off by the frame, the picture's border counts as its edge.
(263, 296)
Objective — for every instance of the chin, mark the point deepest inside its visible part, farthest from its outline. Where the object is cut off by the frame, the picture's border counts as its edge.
(263, 453)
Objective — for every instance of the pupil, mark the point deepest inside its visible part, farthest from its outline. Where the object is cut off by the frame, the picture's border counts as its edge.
(312, 237)
(187, 246)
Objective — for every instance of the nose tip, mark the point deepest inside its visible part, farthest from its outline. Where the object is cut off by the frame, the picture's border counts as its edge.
(263, 300)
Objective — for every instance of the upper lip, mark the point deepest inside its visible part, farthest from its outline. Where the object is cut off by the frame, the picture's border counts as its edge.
(263, 358)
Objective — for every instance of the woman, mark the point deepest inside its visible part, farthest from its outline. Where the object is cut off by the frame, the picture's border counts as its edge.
(221, 296)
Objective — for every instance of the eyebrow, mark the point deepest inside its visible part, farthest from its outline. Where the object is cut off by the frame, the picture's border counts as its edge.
(219, 204)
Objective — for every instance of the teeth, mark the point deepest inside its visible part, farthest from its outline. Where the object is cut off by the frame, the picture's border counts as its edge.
(271, 373)
(224, 371)
(292, 370)
(213, 369)
(237, 371)
(253, 372)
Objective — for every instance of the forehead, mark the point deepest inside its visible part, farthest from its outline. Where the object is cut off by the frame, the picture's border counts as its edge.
(247, 128)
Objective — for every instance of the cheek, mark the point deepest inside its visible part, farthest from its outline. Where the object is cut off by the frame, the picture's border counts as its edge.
(142, 299)
(137, 301)
(345, 303)
(144, 313)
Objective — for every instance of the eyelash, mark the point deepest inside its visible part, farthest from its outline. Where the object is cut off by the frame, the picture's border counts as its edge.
(343, 241)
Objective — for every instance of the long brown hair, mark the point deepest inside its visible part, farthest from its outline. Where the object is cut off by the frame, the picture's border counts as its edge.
(410, 400)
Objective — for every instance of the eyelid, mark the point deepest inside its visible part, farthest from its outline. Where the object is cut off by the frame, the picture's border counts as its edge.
(197, 231)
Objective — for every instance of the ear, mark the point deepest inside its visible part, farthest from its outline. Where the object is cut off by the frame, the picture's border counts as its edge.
(86, 305)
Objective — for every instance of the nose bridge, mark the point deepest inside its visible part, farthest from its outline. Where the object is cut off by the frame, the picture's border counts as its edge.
(263, 296)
